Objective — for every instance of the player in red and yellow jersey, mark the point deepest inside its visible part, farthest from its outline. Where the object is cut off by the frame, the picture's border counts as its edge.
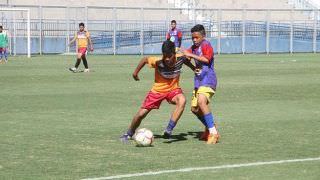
(82, 38)
(166, 87)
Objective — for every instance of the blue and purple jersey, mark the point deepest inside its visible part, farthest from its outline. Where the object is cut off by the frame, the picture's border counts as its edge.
(174, 35)
(207, 76)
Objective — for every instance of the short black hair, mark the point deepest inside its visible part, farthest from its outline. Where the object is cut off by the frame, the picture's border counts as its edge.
(1, 27)
(168, 48)
(199, 28)
(81, 24)
(174, 21)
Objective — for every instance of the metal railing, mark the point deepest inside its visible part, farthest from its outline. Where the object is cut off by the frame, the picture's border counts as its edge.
(124, 30)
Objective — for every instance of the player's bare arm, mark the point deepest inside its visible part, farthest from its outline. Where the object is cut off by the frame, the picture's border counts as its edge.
(90, 43)
(141, 64)
(72, 41)
(189, 64)
(199, 58)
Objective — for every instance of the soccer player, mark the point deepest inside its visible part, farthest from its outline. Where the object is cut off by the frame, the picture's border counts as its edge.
(174, 35)
(166, 87)
(82, 38)
(3, 45)
(205, 82)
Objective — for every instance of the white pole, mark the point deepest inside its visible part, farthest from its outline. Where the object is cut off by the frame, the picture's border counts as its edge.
(291, 31)
(86, 14)
(14, 36)
(244, 12)
(10, 37)
(40, 29)
(114, 24)
(219, 30)
(68, 29)
(315, 31)
(29, 34)
(141, 31)
(268, 33)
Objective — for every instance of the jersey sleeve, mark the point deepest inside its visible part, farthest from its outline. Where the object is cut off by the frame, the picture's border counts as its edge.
(207, 51)
(167, 36)
(179, 34)
(189, 50)
(152, 61)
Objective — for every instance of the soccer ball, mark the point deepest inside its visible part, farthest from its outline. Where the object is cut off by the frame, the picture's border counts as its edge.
(144, 137)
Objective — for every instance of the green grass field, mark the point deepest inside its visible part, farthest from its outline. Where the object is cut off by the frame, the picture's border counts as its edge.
(55, 124)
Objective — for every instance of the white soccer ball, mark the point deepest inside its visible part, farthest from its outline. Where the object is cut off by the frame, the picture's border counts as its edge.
(144, 137)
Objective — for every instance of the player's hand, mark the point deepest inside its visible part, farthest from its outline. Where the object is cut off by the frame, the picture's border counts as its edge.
(135, 76)
(186, 53)
(91, 49)
(197, 71)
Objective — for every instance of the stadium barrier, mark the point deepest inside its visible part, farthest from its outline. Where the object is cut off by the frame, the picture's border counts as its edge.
(124, 30)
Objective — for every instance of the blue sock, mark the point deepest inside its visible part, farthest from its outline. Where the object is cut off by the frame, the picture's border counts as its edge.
(171, 125)
(130, 132)
(6, 56)
(201, 118)
(209, 119)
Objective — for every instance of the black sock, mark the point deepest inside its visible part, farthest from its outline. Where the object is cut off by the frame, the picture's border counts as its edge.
(77, 63)
(85, 62)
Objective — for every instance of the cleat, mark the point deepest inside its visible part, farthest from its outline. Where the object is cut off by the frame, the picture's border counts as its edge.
(204, 135)
(73, 69)
(213, 138)
(125, 138)
(167, 135)
(86, 70)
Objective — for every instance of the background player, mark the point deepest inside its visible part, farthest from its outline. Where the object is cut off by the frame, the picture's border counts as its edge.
(82, 38)
(175, 35)
(3, 45)
(205, 82)
(166, 87)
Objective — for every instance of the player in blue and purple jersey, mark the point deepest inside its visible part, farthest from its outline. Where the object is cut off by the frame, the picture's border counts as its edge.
(205, 82)
(174, 35)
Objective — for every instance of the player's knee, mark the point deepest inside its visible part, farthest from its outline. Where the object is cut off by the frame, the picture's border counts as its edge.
(141, 114)
(194, 110)
(181, 102)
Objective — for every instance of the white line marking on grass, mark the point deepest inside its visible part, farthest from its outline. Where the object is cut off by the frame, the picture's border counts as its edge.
(204, 168)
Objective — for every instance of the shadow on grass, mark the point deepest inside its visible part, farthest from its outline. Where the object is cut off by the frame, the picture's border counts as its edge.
(179, 137)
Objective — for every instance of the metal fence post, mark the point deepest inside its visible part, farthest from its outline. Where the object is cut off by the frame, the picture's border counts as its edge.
(194, 15)
(14, 36)
(40, 10)
(219, 31)
(315, 12)
(291, 31)
(86, 15)
(68, 29)
(268, 32)
(141, 31)
(244, 12)
(168, 15)
(114, 25)
(29, 34)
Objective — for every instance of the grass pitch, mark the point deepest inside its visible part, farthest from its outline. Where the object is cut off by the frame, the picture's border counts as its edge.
(55, 124)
